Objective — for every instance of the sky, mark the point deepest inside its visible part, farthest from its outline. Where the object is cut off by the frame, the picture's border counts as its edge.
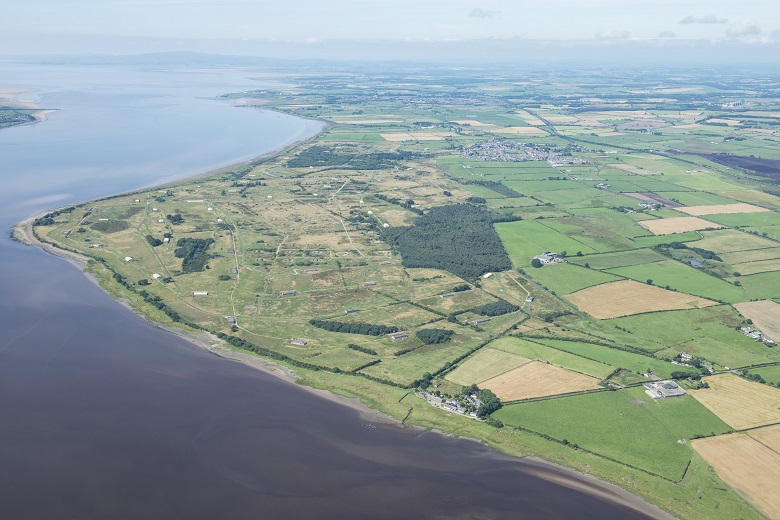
(331, 28)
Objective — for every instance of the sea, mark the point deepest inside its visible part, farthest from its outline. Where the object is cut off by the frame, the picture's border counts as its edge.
(104, 415)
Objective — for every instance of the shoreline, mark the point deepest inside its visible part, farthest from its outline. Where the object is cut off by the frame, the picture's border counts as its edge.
(532, 465)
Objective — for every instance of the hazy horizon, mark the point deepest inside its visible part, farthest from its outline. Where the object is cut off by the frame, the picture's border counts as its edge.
(659, 32)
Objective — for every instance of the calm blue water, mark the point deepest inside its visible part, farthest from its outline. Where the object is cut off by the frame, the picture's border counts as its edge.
(104, 416)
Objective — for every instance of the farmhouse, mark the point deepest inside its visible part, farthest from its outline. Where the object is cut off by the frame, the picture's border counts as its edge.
(550, 258)
(398, 335)
(300, 342)
(661, 389)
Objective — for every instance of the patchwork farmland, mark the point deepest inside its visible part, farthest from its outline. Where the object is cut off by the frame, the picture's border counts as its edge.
(442, 235)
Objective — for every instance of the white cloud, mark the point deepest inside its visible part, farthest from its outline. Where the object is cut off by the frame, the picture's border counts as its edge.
(612, 34)
(708, 19)
(481, 13)
(743, 27)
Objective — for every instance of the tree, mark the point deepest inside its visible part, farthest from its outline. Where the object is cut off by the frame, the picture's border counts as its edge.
(587, 265)
(649, 281)
(537, 263)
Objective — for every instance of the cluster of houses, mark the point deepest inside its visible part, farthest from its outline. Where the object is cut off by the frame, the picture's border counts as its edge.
(453, 405)
(756, 335)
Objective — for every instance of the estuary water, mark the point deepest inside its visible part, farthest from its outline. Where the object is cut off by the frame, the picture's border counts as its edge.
(103, 415)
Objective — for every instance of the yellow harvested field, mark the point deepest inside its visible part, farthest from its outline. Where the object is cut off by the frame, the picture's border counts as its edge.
(721, 209)
(416, 136)
(520, 130)
(765, 315)
(627, 297)
(485, 364)
(536, 379)
(472, 123)
(667, 226)
(769, 436)
(747, 465)
(740, 403)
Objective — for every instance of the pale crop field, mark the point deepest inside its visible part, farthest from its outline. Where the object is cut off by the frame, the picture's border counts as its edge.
(740, 403)
(747, 463)
(765, 315)
(536, 379)
(485, 364)
(721, 209)
(520, 130)
(627, 297)
(667, 226)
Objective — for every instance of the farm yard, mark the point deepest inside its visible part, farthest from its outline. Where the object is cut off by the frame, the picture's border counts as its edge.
(402, 249)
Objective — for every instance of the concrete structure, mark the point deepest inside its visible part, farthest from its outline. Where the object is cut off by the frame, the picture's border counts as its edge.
(200, 293)
(662, 389)
(288, 293)
(300, 342)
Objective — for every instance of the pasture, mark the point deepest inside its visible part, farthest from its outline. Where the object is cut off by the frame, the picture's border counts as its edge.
(539, 352)
(721, 209)
(626, 425)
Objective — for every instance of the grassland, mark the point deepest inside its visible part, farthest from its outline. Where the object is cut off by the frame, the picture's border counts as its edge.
(627, 426)
(295, 241)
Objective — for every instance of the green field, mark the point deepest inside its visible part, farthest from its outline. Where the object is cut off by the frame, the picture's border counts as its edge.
(568, 278)
(620, 259)
(627, 426)
(679, 277)
(536, 351)
(483, 365)
(614, 357)
(525, 239)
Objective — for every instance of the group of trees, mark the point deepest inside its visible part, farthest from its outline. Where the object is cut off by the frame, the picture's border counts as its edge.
(154, 242)
(498, 308)
(193, 253)
(367, 329)
(490, 403)
(458, 238)
(434, 336)
(499, 188)
(175, 218)
(348, 160)
(364, 350)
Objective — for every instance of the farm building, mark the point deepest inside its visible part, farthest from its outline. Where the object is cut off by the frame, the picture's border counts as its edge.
(231, 319)
(480, 320)
(661, 389)
(300, 342)
(128, 259)
(311, 271)
(529, 299)
(351, 311)
(369, 284)
(446, 295)
(550, 258)
(200, 293)
(398, 335)
(288, 293)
